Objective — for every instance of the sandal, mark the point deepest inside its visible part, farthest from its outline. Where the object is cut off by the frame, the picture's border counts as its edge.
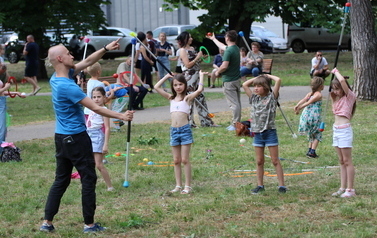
(176, 189)
(187, 190)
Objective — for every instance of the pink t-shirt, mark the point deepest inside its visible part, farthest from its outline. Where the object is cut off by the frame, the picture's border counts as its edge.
(343, 107)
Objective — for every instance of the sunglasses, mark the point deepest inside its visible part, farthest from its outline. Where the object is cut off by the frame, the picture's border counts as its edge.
(319, 55)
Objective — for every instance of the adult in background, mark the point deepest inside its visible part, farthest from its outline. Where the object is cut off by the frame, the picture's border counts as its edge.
(152, 44)
(138, 92)
(254, 62)
(230, 71)
(320, 67)
(190, 69)
(163, 50)
(31, 51)
(73, 145)
(216, 65)
(146, 61)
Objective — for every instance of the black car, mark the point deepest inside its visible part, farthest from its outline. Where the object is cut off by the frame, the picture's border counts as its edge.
(14, 47)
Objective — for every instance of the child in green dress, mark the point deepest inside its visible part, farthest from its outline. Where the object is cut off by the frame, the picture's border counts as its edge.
(310, 118)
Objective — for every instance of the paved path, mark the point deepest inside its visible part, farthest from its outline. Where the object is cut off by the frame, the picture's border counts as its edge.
(46, 129)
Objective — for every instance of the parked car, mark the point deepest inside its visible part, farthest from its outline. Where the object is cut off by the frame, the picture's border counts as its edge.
(99, 38)
(303, 36)
(172, 31)
(14, 46)
(280, 45)
(266, 44)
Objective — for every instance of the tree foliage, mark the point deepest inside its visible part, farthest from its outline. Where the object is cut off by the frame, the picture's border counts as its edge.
(240, 14)
(36, 17)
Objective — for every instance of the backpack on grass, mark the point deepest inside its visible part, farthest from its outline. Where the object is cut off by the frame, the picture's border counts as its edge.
(10, 153)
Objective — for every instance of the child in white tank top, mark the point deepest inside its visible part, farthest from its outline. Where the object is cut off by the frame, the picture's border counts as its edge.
(180, 130)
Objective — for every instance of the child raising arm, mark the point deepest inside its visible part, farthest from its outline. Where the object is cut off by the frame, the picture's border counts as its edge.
(263, 111)
(180, 130)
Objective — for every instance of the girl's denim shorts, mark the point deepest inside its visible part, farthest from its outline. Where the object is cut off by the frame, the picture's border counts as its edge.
(266, 138)
(181, 135)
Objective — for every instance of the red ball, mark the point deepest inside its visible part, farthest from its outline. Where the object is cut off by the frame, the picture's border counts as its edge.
(348, 4)
(209, 34)
(115, 76)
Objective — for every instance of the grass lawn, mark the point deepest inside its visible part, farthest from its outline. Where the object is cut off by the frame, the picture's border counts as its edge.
(223, 174)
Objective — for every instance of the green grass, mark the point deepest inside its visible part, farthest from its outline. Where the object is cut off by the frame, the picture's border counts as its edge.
(221, 204)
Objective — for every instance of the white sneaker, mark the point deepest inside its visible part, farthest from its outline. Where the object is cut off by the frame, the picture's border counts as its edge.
(349, 193)
(231, 128)
(339, 192)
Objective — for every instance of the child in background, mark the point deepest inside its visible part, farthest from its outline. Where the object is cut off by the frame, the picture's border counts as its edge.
(310, 119)
(180, 130)
(98, 128)
(263, 111)
(344, 104)
(243, 60)
(120, 97)
(95, 72)
(216, 65)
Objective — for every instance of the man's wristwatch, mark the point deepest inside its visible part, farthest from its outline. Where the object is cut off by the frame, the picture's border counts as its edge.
(104, 47)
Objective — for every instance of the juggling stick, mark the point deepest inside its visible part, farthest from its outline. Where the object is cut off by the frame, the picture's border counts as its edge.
(86, 40)
(296, 161)
(126, 183)
(247, 45)
(347, 8)
(167, 70)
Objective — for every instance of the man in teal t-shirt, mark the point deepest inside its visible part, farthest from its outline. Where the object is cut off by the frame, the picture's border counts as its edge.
(230, 71)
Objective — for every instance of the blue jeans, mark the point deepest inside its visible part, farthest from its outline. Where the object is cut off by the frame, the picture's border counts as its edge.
(73, 150)
(165, 61)
(254, 71)
(3, 120)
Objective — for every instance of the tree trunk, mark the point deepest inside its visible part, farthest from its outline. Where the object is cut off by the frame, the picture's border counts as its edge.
(364, 49)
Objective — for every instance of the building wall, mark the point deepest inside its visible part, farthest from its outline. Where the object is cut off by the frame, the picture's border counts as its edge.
(143, 15)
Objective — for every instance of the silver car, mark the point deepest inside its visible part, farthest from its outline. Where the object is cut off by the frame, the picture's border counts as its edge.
(172, 31)
(97, 39)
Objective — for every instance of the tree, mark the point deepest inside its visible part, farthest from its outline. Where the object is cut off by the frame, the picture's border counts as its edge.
(364, 49)
(240, 14)
(35, 17)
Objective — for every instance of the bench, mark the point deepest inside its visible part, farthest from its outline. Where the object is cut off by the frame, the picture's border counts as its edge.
(267, 69)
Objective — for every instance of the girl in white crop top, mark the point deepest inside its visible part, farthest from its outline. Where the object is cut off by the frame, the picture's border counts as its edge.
(344, 103)
(180, 130)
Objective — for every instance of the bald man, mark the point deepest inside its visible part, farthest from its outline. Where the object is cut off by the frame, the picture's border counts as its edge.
(31, 52)
(73, 145)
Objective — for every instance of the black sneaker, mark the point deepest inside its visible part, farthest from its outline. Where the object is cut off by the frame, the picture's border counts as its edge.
(47, 228)
(312, 155)
(282, 189)
(257, 190)
(96, 227)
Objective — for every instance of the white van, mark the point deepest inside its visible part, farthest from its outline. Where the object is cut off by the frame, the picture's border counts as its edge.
(303, 36)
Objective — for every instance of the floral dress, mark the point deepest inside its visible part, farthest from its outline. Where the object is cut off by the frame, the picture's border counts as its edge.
(192, 78)
(310, 121)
